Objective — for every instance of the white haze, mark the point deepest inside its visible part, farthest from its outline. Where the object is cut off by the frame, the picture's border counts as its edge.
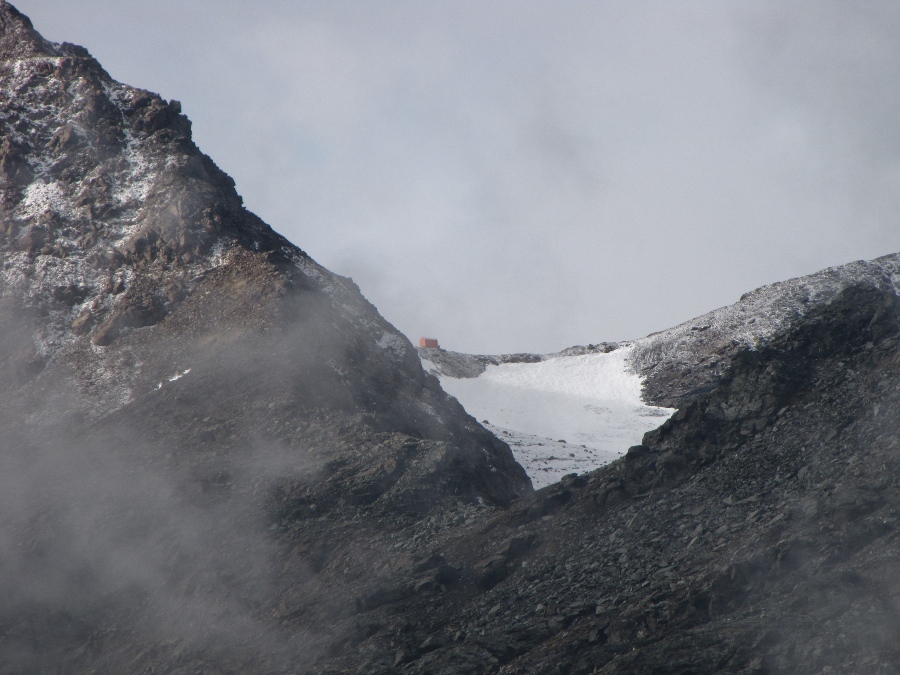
(511, 176)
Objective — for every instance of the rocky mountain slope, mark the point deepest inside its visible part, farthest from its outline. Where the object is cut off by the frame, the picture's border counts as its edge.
(754, 532)
(197, 420)
(689, 359)
(217, 457)
(129, 263)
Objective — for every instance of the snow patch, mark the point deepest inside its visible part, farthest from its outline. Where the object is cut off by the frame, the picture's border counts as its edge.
(547, 460)
(392, 342)
(564, 414)
(219, 253)
(430, 367)
(43, 198)
(178, 374)
(174, 378)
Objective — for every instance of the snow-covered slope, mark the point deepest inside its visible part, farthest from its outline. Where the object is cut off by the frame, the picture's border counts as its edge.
(564, 414)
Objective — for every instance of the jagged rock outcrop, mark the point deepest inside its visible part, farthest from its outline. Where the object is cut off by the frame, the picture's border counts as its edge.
(128, 258)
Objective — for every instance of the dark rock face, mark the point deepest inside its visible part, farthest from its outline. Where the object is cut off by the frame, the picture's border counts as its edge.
(754, 532)
(208, 441)
(128, 257)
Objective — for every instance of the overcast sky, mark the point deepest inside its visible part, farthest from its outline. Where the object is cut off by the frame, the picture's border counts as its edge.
(524, 176)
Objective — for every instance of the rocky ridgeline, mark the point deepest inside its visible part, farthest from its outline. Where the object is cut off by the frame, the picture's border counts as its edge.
(110, 213)
(687, 360)
(458, 364)
(197, 420)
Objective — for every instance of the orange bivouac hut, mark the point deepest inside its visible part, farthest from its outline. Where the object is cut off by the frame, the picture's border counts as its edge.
(428, 343)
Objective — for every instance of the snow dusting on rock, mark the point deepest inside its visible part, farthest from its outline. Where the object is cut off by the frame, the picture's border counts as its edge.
(110, 217)
(686, 360)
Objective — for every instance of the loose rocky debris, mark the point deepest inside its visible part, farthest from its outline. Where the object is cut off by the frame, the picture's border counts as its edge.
(753, 532)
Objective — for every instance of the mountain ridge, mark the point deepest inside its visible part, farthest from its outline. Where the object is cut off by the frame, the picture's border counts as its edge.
(192, 409)
(680, 362)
